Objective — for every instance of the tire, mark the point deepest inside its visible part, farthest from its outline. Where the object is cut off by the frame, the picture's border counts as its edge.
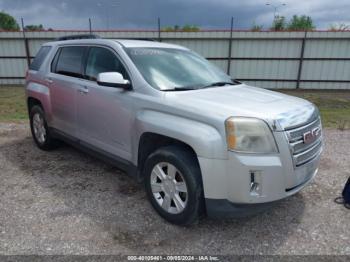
(185, 177)
(40, 131)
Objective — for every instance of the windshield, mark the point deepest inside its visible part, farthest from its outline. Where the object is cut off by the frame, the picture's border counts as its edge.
(175, 69)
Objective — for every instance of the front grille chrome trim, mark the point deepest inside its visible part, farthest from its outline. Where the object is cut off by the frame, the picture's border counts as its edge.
(302, 152)
(308, 155)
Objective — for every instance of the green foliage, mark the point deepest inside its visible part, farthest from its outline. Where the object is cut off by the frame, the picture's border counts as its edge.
(279, 23)
(34, 27)
(256, 28)
(339, 27)
(8, 22)
(302, 22)
(190, 28)
(185, 28)
(168, 29)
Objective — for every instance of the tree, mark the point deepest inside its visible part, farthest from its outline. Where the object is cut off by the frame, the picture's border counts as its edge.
(339, 27)
(168, 29)
(33, 27)
(190, 28)
(279, 23)
(256, 28)
(185, 28)
(301, 23)
(8, 22)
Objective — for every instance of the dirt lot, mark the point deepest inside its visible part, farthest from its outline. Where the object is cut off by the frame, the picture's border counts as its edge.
(65, 202)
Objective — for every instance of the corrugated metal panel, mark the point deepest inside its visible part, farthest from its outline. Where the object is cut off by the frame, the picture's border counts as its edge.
(266, 48)
(207, 48)
(12, 48)
(327, 48)
(12, 82)
(12, 67)
(272, 35)
(264, 69)
(326, 70)
(329, 34)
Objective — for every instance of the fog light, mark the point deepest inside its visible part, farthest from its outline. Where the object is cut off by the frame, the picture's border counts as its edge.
(255, 183)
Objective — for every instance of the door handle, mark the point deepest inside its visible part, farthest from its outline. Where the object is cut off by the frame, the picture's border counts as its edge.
(49, 80)
(83, 90)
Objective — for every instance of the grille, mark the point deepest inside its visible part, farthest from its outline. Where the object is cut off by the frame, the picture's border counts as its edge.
(302, 152)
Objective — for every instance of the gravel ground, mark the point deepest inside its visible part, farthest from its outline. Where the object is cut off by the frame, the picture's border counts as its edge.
(65, 202)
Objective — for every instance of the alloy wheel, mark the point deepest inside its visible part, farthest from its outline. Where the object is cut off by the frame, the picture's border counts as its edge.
(169, 188)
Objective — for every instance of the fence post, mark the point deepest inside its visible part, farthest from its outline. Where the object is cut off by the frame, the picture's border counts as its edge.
(90, 27)
(159, 39)
(301, 60)
(230, 48)
(26, 44)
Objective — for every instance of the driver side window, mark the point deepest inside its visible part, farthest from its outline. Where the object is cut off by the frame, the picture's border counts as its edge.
(101, 60)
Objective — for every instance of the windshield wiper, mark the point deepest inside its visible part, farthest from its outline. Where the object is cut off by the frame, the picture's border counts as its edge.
(182, 88)
(218, 84)
(185, 88)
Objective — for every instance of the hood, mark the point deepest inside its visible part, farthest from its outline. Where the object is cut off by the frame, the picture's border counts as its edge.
(279, 110)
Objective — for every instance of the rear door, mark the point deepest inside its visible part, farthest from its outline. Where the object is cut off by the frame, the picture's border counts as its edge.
(65, 82)
(104, 113)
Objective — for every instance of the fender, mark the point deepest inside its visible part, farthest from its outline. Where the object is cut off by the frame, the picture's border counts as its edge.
(205, 140)
(42, 93)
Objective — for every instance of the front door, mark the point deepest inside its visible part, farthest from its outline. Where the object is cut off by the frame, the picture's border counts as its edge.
(105, 113)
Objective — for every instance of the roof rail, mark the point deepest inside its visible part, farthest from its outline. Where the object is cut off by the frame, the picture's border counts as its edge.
(75, 37)
(136, 38)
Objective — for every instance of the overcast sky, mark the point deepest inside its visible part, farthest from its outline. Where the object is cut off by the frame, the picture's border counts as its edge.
(142, 14)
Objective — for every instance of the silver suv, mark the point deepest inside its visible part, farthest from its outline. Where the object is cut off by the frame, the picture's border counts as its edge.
(199, 141)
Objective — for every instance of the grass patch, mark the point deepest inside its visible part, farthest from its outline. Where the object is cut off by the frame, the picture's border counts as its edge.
(334, 105)
(12, 104)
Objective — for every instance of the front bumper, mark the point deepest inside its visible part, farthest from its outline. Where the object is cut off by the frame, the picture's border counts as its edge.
(228, 183)
(222, 208)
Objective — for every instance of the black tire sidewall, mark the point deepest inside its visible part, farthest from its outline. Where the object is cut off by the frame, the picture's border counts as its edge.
(185, 162)
(49, 142)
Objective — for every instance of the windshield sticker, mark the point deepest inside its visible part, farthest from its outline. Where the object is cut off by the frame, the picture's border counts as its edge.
(146, 52)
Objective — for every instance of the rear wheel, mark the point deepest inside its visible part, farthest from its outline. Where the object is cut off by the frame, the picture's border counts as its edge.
(173, 184)
(40, 130)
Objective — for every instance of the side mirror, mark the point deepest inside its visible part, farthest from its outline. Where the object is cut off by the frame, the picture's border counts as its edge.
(113, 79)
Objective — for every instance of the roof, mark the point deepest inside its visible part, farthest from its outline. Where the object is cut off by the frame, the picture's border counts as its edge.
(128, 43)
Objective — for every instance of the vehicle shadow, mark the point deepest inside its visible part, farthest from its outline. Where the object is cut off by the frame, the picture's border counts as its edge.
(77, 185)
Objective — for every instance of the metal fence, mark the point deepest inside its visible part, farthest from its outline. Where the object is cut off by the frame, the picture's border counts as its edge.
(308, 60)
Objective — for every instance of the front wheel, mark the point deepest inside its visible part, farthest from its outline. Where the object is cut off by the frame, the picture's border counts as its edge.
(174, 185)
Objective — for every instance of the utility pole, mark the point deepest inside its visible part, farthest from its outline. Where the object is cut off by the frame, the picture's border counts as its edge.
(275, 8)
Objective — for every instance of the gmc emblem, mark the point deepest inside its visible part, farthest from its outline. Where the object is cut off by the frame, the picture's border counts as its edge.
(311, 136)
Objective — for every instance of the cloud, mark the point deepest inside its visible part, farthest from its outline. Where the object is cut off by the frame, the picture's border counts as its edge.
(116, 14)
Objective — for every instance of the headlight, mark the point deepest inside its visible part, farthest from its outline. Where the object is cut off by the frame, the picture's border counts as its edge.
(249, 135)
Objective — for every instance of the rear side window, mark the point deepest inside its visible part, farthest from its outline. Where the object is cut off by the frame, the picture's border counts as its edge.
(39, 58)
(70, 61)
